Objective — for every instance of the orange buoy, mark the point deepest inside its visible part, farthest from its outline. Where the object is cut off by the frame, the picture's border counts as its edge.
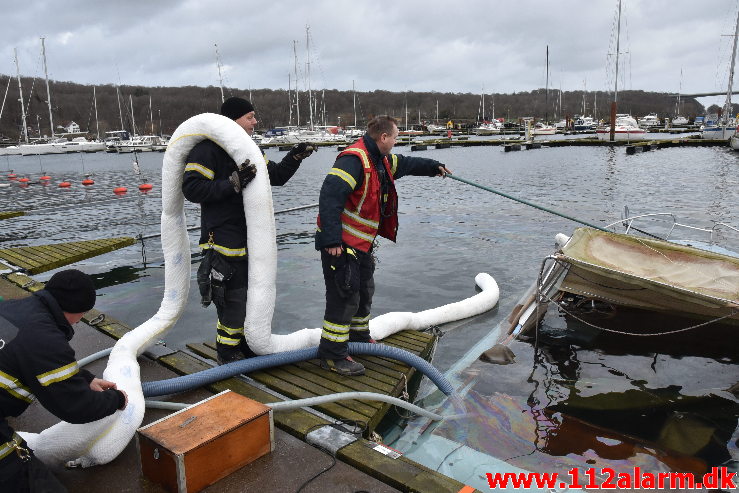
(120, 190)
(12, 176)
(45, 177)
(145, 187)
(88, 181)
(24, 180)
(65, 184)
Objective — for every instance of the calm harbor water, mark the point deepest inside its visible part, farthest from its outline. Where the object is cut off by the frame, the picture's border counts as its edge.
(570, 398)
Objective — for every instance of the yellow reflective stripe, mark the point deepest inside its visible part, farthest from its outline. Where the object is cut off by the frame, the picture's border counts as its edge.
(360, 219)
(227, 340)
(367, 177)
(53, 376)
(229, 330)
(357, 233)
(362, 156)
(360, 319)
(14, 387)
(394, 164)
(344, 176)
(331, 337)
(7, 447)
(229, 252)
(335, 327)
(209, 174)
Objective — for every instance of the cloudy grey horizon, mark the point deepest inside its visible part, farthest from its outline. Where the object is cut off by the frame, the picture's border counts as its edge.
(431, 46)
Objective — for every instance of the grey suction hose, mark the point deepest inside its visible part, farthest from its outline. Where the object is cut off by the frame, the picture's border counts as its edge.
(215, 374)
(314, 401)
(94, 357)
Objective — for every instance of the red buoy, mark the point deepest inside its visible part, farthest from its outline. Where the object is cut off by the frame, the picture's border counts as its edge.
(45, 177)
(145, 187)
(65, 184)
(120, 190)
(24, 180)
(88, 181)
(12, 176)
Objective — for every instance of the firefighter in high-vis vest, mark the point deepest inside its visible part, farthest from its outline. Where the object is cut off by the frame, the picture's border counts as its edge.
(213, 180)
(37, 363)
(357, 203)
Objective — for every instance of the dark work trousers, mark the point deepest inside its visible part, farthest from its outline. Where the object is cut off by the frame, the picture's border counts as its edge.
(17, 475)
(346, 318)
(230, 301)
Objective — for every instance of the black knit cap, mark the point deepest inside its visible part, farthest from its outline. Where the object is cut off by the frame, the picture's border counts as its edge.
(73, 290)
(235, 108)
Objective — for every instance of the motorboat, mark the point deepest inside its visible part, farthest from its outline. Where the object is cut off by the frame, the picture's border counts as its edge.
(488, 128)
(584, 124)
(719, 131)
(624, 131)
(638, 271)
(679, 121)
(649, 121)
(543, 129)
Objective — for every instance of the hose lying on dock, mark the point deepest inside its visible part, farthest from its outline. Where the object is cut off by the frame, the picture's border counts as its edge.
(205, 377)
(101, 441)
(315, 401)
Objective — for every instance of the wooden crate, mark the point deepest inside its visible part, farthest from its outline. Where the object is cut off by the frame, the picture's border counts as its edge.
(195, 447)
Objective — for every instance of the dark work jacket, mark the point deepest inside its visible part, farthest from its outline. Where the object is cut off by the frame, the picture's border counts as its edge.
(336, 190)
(39, 363)
(221, 209)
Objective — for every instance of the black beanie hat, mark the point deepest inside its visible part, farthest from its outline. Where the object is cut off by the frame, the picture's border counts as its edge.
(73, 290)
(235, 108)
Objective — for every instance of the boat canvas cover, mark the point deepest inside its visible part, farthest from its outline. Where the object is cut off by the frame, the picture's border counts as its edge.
(651, 274)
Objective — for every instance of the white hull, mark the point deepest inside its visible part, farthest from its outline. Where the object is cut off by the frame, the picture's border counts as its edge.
(38, 149)
(10, 151)
(734, 142)
(622, 134)
(718, 133)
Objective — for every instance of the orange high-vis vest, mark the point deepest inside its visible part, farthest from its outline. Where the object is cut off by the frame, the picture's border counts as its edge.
(361, 220)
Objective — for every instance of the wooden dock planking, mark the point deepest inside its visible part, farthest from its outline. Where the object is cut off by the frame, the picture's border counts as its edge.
(402, 473)
(42, 258)
(308, 379)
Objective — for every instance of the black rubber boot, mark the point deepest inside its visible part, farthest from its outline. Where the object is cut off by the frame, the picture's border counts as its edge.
(347, 366)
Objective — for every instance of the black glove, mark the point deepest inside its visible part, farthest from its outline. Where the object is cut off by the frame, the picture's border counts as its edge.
(243, 175)
(301, 151)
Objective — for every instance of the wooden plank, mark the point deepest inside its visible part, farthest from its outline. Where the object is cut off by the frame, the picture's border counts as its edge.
(18, 259)
(37, 254)
(9, 214)
(362, 383)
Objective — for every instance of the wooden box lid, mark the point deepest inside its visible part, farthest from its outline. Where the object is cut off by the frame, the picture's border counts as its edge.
(203, 422)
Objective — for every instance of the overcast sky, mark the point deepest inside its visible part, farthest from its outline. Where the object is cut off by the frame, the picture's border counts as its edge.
(429, 45)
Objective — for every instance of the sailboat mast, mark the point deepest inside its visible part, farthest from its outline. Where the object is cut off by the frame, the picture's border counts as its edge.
(727, 105)
(220, 75)
(97, 124)
(615, 87)
(618, 47)
(151, 116)
(20, 92)
(289, 99)
(297, 91)
(546, 92)
(120, 111)
(307, 62)
(48, 93)
(133, 121)
(354, 101)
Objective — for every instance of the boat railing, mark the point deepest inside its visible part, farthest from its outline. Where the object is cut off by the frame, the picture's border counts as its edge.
(628, 223)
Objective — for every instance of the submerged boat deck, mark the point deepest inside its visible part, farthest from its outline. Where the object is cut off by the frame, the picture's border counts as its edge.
(361, 464)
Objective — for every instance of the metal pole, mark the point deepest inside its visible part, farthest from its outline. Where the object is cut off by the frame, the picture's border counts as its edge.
(20, 92)
(526, 202)
(48, 93)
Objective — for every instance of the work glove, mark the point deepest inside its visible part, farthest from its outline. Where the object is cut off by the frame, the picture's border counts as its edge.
(245, 173)
(301, 151)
